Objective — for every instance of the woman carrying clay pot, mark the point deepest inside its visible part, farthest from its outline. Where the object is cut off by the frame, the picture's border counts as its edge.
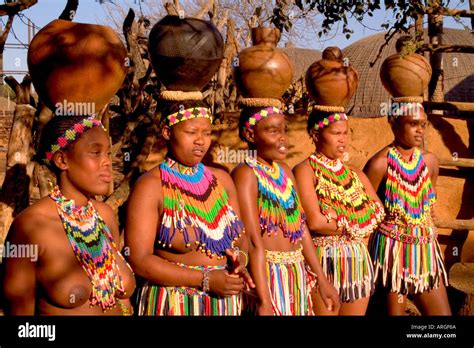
(76, 268)
(406, 253)
(405, 250)
(341, 207)
(183, 227)
(281, 247)
(283, 259)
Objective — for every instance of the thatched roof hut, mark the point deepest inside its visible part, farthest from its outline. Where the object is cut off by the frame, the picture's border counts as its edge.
(458, 71)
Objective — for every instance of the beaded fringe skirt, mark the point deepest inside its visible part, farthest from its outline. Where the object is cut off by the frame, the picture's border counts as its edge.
(290, 283)
(409, 260)
(347, 265)
(185, 301)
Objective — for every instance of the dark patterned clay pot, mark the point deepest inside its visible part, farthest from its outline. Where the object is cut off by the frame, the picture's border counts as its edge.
(263, 70)
(76, 63)
(332, 80)
(185, 53)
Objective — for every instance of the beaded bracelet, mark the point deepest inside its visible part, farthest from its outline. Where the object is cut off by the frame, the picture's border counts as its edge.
(205, 280)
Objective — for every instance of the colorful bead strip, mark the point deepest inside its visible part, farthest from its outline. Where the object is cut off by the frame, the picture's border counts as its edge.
(408, 268)
(257, 117)
(334, 117)
(290, 283)
(347, 265)
(278, 202)
(186, 301)
(70, 135)
(187, 114)
(406, 234)
(93, 246)
(340, 189)
(197, 202)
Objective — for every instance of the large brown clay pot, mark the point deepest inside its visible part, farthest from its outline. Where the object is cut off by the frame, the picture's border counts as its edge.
(331, 81)
(185, 52)
(76, 63)
(263, 70)
(405, 76)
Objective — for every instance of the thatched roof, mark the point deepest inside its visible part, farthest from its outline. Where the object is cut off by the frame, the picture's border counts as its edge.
(458, 71)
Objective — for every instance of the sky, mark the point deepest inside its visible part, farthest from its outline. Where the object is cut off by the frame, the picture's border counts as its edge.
(92, 11)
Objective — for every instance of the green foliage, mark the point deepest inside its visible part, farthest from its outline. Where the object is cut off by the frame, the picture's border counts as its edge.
(334, 11)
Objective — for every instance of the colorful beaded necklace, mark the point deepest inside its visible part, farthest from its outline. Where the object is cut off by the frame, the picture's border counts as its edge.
(277, 200)
(408, 189)
(197, 200)
(338, 188)
(93, 245)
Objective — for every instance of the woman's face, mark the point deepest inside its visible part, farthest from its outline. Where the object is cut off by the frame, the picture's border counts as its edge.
(409, 130)
(188, 141)
(270, 138)
(89, 166)
(331, 141)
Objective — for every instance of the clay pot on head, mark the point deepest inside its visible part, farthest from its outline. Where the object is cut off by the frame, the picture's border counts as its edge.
(405, 76)
(263, 70)
(76, 63)
(185, 52)
(331, 81)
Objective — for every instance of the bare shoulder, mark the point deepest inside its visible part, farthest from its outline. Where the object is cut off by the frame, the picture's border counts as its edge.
(285, 167)
(302, 166)
(242, 170)
(32, 223)
(378, 161)
(430, 158)
(220, 174)
(150, 179)
(104, 210)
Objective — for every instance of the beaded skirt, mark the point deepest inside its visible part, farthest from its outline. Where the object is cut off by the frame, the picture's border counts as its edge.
(185, 301)
(347, 265)
(408, 259)
(290, 282)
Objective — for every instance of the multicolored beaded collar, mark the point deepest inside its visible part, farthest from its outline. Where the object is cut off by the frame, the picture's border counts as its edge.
(93, 246)
(409, 193)
(187, 114)
(71, 135)
(333, 117)
(278, 201)
(197, 201)
(339, 188)
(257, 117)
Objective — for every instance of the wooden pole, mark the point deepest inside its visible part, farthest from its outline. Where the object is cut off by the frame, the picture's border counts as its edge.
(471, 5)
(456, 224)
(447, 48)
(449, 105)
(460, 162)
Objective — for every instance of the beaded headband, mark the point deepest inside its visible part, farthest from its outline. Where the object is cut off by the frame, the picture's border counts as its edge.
(406, 109)
(333, 117)
(188, 114)
(71, 135)
(257, 117)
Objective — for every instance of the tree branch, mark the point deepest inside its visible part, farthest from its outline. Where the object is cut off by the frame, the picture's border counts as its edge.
(12, 8)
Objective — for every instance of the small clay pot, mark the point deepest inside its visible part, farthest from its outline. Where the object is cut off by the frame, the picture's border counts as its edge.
(331, 81)
(263, 70)
(185, 52)
(407, 75)
(76, 63)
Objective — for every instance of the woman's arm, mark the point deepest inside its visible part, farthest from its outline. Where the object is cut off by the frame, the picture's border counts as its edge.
(305, 180)
(19, 282)
(140, 232)
(239, 260)
(328, 291)
(247, 191)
